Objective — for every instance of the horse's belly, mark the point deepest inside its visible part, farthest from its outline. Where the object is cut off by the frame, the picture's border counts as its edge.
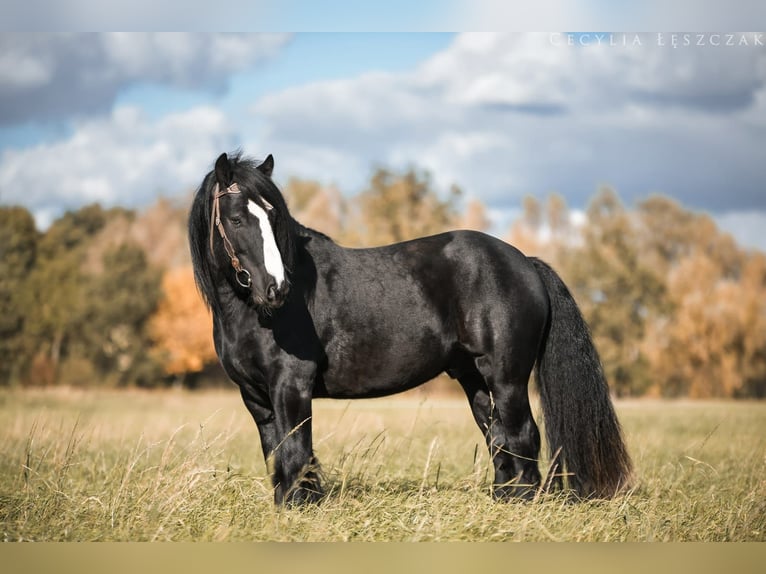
(370, 367)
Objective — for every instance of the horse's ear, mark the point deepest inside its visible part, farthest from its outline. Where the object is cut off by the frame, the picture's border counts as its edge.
(267, 166)
(223, 172)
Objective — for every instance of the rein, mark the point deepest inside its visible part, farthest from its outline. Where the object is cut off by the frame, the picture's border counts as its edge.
(215, 219)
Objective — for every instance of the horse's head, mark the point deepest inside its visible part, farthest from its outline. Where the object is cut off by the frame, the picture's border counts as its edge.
(249, 232)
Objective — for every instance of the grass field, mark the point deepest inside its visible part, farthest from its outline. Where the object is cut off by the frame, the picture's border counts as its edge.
(83, 466)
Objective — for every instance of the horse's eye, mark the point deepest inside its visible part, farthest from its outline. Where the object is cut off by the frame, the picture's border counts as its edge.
(236, 221)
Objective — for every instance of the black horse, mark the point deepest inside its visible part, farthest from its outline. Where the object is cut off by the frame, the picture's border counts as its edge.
(297, 316)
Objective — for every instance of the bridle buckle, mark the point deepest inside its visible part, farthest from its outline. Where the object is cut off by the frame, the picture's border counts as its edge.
(247, 274)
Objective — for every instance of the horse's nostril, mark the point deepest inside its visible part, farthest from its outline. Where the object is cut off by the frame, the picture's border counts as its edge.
(271, 292)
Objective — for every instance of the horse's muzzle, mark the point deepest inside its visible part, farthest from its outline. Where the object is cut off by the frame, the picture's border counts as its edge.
(275, 297)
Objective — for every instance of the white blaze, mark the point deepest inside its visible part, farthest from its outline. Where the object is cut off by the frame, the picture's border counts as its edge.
(271, 257)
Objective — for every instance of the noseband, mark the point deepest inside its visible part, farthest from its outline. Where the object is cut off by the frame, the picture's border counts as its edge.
(215, 219)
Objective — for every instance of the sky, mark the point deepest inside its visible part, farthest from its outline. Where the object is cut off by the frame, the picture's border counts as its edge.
(123, 118)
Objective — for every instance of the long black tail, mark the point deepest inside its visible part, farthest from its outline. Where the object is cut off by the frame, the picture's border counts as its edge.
(584, 436)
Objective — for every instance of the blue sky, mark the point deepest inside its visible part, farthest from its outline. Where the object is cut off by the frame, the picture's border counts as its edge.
(122, 118)
(307, 57)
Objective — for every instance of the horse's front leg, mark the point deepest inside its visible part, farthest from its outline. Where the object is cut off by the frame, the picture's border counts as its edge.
(296, 475)
(259, 405)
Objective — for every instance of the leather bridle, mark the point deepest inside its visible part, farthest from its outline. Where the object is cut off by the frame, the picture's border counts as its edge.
(215, 219)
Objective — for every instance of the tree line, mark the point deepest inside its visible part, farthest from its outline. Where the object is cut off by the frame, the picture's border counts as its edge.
(106, 297)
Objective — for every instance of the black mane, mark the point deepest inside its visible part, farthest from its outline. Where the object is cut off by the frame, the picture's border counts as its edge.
(252, 182)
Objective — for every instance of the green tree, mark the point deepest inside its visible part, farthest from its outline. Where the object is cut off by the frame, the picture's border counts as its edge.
(88, 301)
(18, 251)
(114, 332)
(54, 298)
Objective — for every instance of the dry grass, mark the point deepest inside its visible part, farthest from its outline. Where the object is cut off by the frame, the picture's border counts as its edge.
(181, 466)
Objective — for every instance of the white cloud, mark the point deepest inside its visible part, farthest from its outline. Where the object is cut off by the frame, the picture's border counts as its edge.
(500, 69)
(503, 115)
(22, 72)
(56, 76)
(123, 159)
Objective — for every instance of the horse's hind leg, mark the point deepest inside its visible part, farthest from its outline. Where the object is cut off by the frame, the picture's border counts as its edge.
(478, 398)
(514, 439)
(505, 420)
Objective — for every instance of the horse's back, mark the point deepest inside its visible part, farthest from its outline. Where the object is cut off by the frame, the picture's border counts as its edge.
(464, 272)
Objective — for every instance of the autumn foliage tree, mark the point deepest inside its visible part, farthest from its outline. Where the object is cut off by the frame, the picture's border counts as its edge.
(182, 328)
(396, 207)
(107, 296)
(615, 289)
(676, 308)
(475, 216)
(543, 229)
(319, 207)
(711, 341)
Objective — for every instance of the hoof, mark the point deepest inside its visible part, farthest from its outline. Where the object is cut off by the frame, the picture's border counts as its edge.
(300, 496)
(512, 492)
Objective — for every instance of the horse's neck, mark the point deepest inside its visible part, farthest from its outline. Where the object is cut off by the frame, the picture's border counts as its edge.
(310, 241)
(314, 249)
(232, 309)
